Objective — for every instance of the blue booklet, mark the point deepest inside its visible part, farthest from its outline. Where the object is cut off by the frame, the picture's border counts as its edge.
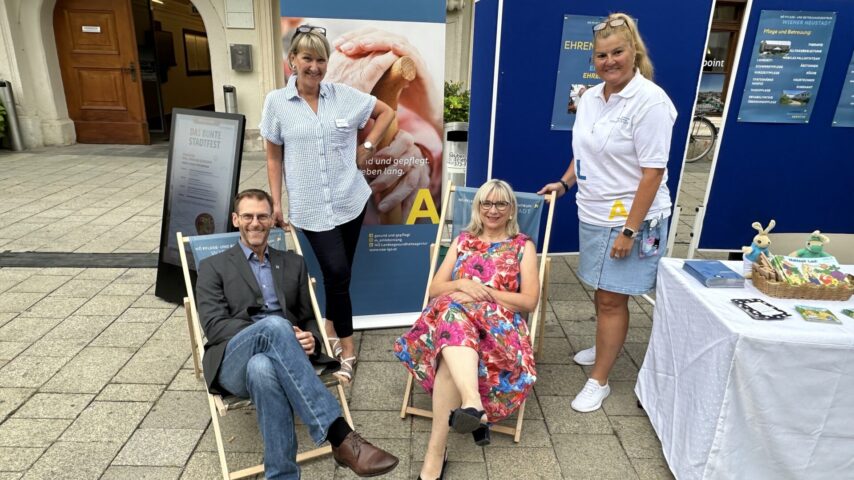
(713, 273)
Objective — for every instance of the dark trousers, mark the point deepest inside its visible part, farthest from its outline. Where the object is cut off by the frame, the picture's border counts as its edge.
(335, 250)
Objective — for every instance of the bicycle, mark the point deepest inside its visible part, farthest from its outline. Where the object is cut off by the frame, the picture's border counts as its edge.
(704, 134)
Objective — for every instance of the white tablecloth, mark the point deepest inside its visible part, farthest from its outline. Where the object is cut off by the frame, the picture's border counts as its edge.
(735, 398)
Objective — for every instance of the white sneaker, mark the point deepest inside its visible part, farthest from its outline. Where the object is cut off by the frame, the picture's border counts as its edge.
(590, 397)
(586, 357)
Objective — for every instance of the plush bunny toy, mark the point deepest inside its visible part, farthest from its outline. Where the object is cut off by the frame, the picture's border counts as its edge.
(814, 248)
(760, 242)
(758, 247)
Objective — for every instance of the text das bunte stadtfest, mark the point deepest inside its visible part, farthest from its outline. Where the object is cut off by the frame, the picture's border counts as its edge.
(202, 137)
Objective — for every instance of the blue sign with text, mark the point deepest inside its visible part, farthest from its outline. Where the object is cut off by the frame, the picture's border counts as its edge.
(575, 72)
(845, 110)
(786, 66)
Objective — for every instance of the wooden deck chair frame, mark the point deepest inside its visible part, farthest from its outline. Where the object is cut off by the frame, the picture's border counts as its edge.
(537, 317)
(220, 405)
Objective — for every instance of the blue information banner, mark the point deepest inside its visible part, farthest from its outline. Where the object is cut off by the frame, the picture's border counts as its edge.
(392, 259)
(575, 72)
(397, 10)
(845, 110)
(786, 66)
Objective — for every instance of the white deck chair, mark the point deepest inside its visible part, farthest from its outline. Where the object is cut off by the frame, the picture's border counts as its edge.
(203, 247)
(531, 206)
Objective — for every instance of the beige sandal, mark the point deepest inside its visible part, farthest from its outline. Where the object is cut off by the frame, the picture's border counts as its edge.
(337, 349)
(345, 373)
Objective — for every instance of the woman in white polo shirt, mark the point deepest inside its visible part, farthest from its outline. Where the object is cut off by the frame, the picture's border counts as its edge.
(621, 144)
(310, 126)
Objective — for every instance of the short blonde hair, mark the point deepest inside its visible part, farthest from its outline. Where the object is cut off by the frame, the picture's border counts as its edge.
(311, 42)
(504, 192)
(629, 31)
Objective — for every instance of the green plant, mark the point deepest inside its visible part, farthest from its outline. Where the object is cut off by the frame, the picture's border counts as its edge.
(456, 103)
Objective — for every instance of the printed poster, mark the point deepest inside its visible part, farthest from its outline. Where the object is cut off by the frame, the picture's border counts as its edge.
(845, 110)
(575, 72)
(786, 66)
(201, 176)
(392, 259)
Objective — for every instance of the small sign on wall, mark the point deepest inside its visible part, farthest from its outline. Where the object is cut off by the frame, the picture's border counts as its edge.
(239, 14)
(91, 29)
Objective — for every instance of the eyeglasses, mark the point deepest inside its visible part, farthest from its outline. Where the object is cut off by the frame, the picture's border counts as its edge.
(309, 29)
(262, 217)
(501, 205)
(617, 22)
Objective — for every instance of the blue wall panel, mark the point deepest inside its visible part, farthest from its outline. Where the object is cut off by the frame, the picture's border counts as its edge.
(527, 152)
(800, 175)
(480, 111)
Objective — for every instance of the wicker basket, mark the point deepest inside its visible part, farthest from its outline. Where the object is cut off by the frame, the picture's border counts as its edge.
(763, 274)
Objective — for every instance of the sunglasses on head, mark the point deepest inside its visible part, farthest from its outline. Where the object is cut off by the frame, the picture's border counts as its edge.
(309, 29)
(617, 22)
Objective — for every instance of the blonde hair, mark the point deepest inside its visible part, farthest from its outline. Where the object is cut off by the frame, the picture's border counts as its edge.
(629, 31)
(504, 192)
(310, 42)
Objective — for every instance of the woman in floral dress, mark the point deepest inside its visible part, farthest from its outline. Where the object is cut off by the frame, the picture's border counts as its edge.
(470, 348)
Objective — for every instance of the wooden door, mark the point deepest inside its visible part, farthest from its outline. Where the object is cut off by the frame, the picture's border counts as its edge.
(100, 70)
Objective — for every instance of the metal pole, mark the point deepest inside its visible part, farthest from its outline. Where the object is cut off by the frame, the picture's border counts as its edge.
(230, 95)
(8, 99)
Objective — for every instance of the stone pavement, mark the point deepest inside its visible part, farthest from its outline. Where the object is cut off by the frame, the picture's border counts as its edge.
(96, 377)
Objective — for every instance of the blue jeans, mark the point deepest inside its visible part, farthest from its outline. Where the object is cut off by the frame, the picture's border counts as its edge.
(266, 363)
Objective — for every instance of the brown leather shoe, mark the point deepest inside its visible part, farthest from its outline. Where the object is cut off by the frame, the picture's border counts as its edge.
(364, 459)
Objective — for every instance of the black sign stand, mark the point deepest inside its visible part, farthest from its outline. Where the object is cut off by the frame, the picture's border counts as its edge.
(205, 153)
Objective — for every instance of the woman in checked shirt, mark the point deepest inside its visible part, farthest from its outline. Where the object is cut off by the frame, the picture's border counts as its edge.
(310, 129)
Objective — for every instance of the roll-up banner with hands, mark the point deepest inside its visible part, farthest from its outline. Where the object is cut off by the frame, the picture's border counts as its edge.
(395, 50)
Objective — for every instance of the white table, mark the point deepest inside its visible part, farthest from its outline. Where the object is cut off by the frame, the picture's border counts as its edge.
(731, 397)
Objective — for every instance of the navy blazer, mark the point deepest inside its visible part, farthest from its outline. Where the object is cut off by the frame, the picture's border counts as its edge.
(228, 295)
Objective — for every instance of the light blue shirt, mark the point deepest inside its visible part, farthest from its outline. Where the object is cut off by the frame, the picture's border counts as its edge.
(264, 276)
(325, 187)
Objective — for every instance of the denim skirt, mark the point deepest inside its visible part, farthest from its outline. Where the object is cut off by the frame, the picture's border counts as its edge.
(630, 275)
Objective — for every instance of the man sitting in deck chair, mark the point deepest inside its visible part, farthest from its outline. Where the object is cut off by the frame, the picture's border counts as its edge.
(255, 309)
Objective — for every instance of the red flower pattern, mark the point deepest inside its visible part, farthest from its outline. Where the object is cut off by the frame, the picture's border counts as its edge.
(506, 370)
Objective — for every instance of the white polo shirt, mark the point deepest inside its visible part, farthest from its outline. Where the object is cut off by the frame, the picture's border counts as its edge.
(612, 140)
(325, 187)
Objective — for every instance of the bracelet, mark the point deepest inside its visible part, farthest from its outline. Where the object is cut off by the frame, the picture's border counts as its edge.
(565, 186)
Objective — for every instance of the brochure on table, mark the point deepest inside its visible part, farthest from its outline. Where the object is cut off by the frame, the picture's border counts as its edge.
(786, 66)
(759, 306)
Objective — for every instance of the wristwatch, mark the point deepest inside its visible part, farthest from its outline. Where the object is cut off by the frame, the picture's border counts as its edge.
(368, 145)
(629, 232)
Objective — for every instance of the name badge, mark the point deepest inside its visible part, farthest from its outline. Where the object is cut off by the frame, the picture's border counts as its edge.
(340, 123)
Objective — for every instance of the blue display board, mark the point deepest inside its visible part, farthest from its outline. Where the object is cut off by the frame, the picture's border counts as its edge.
(845, 110)
(392, 258)
(527, 152)
(786, 66)
(575, 71)
(798, 174)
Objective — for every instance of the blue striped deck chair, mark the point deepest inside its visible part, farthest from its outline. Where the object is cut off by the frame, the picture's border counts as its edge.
(531, 207)
(202, 247)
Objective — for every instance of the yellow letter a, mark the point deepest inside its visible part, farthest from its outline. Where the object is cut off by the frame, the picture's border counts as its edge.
(423, 207)
(618, 210)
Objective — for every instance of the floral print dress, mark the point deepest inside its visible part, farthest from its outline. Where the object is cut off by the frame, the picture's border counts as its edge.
(506, 369)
